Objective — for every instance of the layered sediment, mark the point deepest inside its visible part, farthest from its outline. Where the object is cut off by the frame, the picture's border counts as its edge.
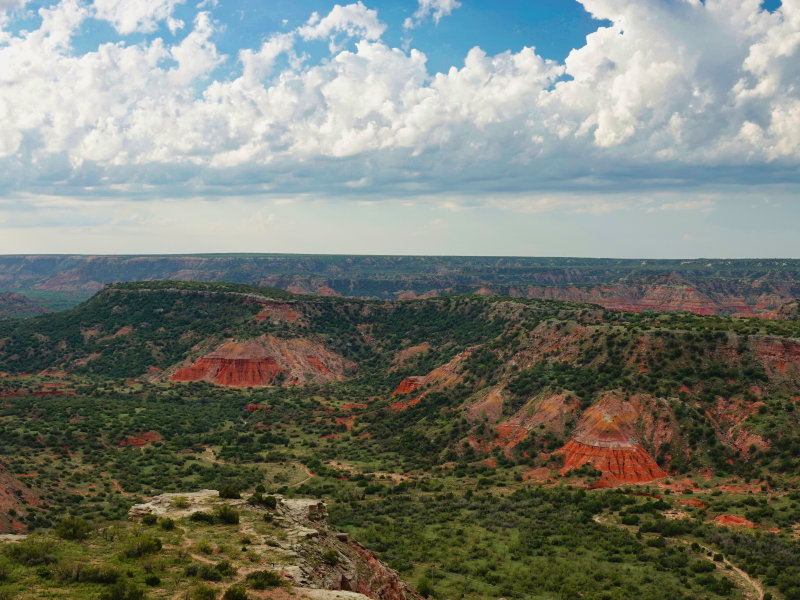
(266, 361)
(606, 439)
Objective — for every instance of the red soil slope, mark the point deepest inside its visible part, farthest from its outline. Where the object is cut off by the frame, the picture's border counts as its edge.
(258, 363)
(669, 296)
(606, 438)
(14, 494)
(278, 312)
(733, 521)
(444, 376)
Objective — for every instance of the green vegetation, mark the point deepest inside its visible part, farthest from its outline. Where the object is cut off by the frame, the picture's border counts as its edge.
(432, 487)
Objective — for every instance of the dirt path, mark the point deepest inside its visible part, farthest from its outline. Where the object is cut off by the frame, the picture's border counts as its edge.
(756, 593)
(309, 474)
(759, 591)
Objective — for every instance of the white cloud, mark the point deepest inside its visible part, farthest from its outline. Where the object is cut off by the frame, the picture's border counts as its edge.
(431, 8)
(671, 92)
(129, 16)
(355, 20)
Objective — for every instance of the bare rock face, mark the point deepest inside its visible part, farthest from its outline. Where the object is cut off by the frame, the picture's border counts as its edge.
(780, 357)
(445, 376)
(267, 361)
(620, 465)
(606, 438)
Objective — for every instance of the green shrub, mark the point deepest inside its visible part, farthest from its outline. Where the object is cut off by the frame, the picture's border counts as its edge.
(180, 502)
(142, 546)
(73, 528)
(31, 552)
(202, 517)
(204, 547)
(203, 592)
(235, 592)
(264, 580)
(86, 573)
(209, 573)
(123, 590)
(167, 524)
(331, 557)
(152, 580)
(225, 568)
(257, 499)
(227, 514)
(5, 568)
(149, 519)
(230, 492)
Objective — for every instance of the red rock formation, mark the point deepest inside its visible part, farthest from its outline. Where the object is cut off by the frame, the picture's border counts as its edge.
(398, 407)
(376, 580)
(278, 311)
(620, 465)
(606, 439)
(142, 439)
(408, 385)
(260, 363)
(444, 376)
(780, 357)
(733, 521)
(552, 411)
(317, 364)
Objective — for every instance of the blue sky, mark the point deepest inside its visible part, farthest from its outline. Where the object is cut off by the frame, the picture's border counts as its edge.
(653, 128)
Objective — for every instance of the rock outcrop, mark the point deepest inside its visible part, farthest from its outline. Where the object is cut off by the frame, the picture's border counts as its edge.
(304, 543)
(447, 375)
(606, 438)
(266, 361)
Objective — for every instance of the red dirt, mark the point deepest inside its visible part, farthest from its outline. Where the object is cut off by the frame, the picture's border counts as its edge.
(780, 357)
(352, 406)
(671, 296)
(317, 364)
(620, 465)
(328, 292)
(729, 417)
(691, 502)
(733, 521)
(398, 407)
(607, 439)
(446, 375)
(408, 385)
(378, 581)
(278, 311)
(260, 363)
(14, 494)
(346, 421)
(142, 439)
(252, 407)
(489, 408)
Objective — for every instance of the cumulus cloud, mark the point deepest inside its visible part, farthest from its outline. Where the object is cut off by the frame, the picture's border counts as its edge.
(128, 16)
(354, 20)
(671, 94)
(431, 8)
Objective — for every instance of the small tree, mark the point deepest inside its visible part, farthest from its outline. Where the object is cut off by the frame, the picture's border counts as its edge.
(73, 528)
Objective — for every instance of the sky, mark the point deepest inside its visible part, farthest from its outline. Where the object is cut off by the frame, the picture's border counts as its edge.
(609, 128)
